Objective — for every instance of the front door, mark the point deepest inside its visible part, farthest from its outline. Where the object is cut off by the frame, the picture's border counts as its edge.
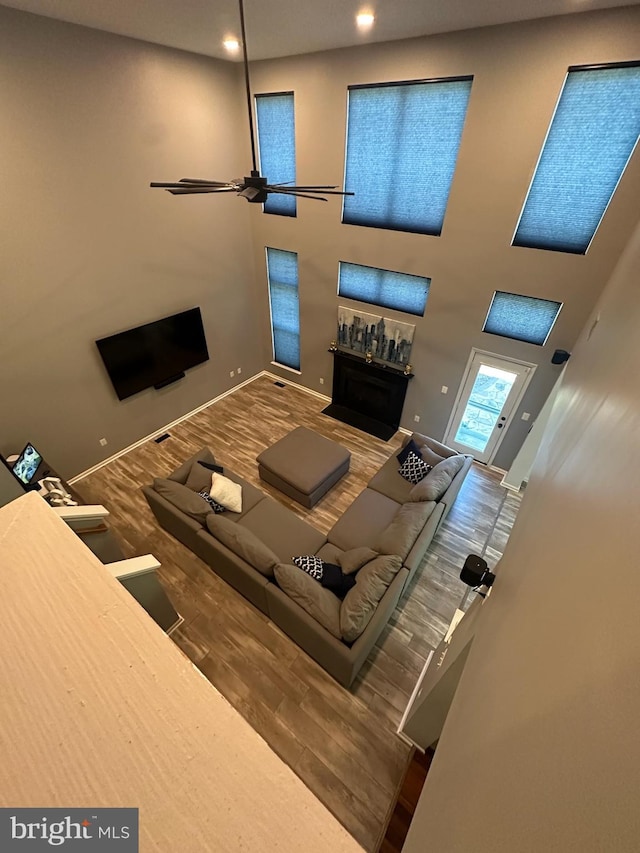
(490, 391)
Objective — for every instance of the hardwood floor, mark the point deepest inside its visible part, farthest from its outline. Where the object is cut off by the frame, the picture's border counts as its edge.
(342, 743)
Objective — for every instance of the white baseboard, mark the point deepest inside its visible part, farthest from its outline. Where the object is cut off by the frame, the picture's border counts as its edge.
(496, 469)
(295, 385)
(165, 428)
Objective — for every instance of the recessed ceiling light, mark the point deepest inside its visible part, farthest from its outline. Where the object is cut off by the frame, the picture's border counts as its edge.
(365, 20)
(231, 44)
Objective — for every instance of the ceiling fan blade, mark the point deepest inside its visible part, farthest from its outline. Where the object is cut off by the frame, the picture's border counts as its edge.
(296, 187)
(297, 194)
(275, 189)
(193, 190)
(204, 181)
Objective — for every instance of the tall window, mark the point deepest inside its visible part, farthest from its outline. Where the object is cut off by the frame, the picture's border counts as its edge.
(282, 273)
(383, 287)
(523, 318)
(402, 147)
(277, 147)
(589, 142)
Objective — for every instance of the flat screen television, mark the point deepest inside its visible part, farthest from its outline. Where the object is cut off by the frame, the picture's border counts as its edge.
(153, 355)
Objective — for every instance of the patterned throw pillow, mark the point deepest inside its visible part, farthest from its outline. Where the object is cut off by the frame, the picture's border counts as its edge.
(329, 575)
(410, 447)
(414, 468)
(215, 506)
(309, 564)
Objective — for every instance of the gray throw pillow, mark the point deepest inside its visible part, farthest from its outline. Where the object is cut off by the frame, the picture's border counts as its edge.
(354, 559)
(244, 543)
(359, 605)
(199, 478)
(429, 456)
(399, 536)
(438, 480)
(318, 602)
(183, 499)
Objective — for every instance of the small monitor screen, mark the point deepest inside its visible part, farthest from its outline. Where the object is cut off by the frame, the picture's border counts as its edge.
(27, 464)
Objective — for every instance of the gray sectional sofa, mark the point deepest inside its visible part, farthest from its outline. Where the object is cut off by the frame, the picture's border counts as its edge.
(381, 538)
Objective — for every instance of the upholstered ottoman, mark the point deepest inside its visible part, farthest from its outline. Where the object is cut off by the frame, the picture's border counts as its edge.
(303, 465)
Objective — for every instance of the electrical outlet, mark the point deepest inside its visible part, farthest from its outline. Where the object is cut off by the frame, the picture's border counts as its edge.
(525, 416)
(416, 418)
(232, 373)
(239, 371)
(103, 442)
(321, 380)
(444, 389)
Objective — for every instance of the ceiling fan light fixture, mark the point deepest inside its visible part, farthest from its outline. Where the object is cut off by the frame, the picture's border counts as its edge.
(365, 20)
(231, 44)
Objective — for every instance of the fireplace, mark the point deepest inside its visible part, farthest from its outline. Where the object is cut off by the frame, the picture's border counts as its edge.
(367, 396)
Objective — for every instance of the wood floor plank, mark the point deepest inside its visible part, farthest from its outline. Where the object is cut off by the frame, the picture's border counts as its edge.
(343, 743)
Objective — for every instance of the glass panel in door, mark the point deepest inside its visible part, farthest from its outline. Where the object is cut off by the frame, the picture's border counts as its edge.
(484, 406)
(490, 390)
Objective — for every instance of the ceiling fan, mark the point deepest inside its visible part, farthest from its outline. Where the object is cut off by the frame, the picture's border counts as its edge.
(254, 187)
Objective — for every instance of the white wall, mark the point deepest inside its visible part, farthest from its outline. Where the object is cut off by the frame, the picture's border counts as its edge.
(540, 748)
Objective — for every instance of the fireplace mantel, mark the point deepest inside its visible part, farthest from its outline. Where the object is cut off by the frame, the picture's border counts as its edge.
(367, 395)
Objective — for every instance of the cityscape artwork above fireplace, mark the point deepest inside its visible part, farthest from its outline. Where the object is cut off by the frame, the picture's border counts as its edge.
(388, 340)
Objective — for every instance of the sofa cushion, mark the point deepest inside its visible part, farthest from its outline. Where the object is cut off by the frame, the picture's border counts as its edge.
(182, 472)
(330, 553)
(438, 480)
(389, 482)
(199, 479)
(366, 517)
(282, 531)
(353, 560)
(434, 446)
(183, 499)
(243, 543)
(318, 602)
(414, 468)
(359, 604)
(399, 536)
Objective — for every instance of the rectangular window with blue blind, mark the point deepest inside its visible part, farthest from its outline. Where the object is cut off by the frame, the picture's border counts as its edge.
(282, 274)
(386, 288)
(275, 119)
(590, 140)
(523, 318)
(402, 148)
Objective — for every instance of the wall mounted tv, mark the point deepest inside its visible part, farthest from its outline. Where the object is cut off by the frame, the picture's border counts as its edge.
(154, 355)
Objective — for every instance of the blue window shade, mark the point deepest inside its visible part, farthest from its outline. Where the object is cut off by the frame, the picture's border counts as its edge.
(523, 318)
(277, 147)
(402, 147)
(282, 272)
(590, 140)
(383, 287)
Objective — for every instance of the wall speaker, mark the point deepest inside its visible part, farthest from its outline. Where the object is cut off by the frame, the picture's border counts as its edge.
(560, 356)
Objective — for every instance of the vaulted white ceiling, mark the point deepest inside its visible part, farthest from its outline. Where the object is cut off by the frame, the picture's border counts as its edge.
(285, 27)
